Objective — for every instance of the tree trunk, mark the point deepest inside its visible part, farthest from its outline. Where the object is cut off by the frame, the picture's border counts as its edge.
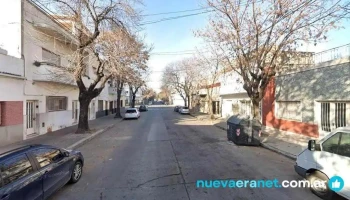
(189, 101)
(133, 101)
(83, 125)
(117, 114)
(185, 102)
(256, 110)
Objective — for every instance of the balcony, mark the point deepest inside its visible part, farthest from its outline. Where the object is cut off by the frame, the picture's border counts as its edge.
(11, 66)
(332, 54)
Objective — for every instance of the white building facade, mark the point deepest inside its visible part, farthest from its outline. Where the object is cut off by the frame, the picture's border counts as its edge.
(47, 103)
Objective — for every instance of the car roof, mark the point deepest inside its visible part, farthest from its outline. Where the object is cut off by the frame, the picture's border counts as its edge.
(20, 150)
(131, 109)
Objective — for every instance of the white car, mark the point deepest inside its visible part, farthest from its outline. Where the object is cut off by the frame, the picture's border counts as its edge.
(327, 160)
(184, 110)
(132, 113)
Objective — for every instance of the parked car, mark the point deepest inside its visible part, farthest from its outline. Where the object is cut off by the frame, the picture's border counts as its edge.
(143, 108)
(176, 108)
(184, 110)
(132, 113)
(325, 159)
(37, 171)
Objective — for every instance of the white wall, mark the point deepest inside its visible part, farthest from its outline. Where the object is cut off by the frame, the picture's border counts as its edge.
(12, 65)
(231, 83)
(11, 89)
(10, 27)
(228, 100)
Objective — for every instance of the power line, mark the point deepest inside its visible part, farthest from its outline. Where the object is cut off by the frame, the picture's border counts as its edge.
(173, 12)
(172, 18)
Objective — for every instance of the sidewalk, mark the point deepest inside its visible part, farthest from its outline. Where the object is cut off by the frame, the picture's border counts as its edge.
(202, 116)
(282, 142)
(66, 138)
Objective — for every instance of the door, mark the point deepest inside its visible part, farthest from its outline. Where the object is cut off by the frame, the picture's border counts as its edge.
(55, 168)
(75, 110)
(111, 107)
(92, 109)
(20, 179)
(30, 117)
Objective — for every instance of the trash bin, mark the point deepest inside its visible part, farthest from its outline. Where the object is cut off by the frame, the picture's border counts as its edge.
(243, 131)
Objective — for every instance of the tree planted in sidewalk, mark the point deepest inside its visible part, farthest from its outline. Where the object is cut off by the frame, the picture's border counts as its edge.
(126, 54)
(90, 19)
(259, 38)
(182, 76)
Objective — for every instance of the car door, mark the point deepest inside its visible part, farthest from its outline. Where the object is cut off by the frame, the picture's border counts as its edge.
(331, 162)
(20, 179)
(55, 168)
(344, 162)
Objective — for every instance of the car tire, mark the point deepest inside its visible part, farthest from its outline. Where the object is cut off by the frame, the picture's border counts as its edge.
(76, 172)
(325, 193)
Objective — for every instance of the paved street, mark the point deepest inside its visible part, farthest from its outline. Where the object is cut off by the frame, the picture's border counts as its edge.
(163, 154)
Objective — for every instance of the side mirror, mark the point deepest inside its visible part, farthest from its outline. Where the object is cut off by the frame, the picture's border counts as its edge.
(312, 145)
(66, 154)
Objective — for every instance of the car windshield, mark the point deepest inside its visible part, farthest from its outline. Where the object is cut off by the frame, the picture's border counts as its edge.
(130, 111)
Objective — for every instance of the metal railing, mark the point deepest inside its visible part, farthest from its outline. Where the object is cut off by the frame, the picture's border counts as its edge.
(332, 54)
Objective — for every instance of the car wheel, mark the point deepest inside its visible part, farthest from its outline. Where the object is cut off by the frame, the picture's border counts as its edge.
(323, 192)
(77, 172)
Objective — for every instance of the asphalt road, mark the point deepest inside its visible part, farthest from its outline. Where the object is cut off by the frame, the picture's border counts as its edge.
(163, 154)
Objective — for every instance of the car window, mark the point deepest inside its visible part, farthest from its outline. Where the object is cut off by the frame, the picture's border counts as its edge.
(344, 147)
(130, 111)
(46, 156)
(15, 168)
(331, 144)
(185, 107)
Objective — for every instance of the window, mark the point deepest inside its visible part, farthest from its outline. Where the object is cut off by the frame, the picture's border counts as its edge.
(331, 144)
(48, 56)
(333, 115)
(325, 117)
(344, 147)
(47, 156)
(15, 168)
(289, 110)
(56, 103)
(245, 108)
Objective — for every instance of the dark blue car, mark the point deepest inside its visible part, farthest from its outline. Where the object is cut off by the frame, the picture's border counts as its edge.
(37, 171)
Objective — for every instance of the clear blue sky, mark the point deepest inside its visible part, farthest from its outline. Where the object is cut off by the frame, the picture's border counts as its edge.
(177, 35)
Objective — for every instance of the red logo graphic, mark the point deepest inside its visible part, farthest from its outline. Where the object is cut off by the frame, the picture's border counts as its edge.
(238, 131)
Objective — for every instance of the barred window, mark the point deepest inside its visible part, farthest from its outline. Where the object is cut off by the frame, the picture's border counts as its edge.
(56, 103)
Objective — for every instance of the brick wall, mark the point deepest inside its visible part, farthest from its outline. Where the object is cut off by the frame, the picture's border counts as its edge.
(269, 119)
(11, 113)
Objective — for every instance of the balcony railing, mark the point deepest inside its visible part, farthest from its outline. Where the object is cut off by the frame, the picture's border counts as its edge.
(332, 54)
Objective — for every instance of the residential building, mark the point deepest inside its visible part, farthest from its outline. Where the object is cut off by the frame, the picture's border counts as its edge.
(312, 99)
(202, 102)
(234, 99)
(46, 98)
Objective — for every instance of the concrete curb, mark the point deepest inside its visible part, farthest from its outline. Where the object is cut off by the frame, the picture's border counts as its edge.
(266, 146)
(283, 153)
(92, 136)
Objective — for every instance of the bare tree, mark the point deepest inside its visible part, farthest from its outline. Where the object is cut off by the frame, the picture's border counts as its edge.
(149, 94)
(90, 19)
(260, 37)
(183, 77)
(125, 53)
(136, 82)
(211, 70)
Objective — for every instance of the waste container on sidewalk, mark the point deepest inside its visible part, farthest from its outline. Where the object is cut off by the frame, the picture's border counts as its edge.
(243, 131)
